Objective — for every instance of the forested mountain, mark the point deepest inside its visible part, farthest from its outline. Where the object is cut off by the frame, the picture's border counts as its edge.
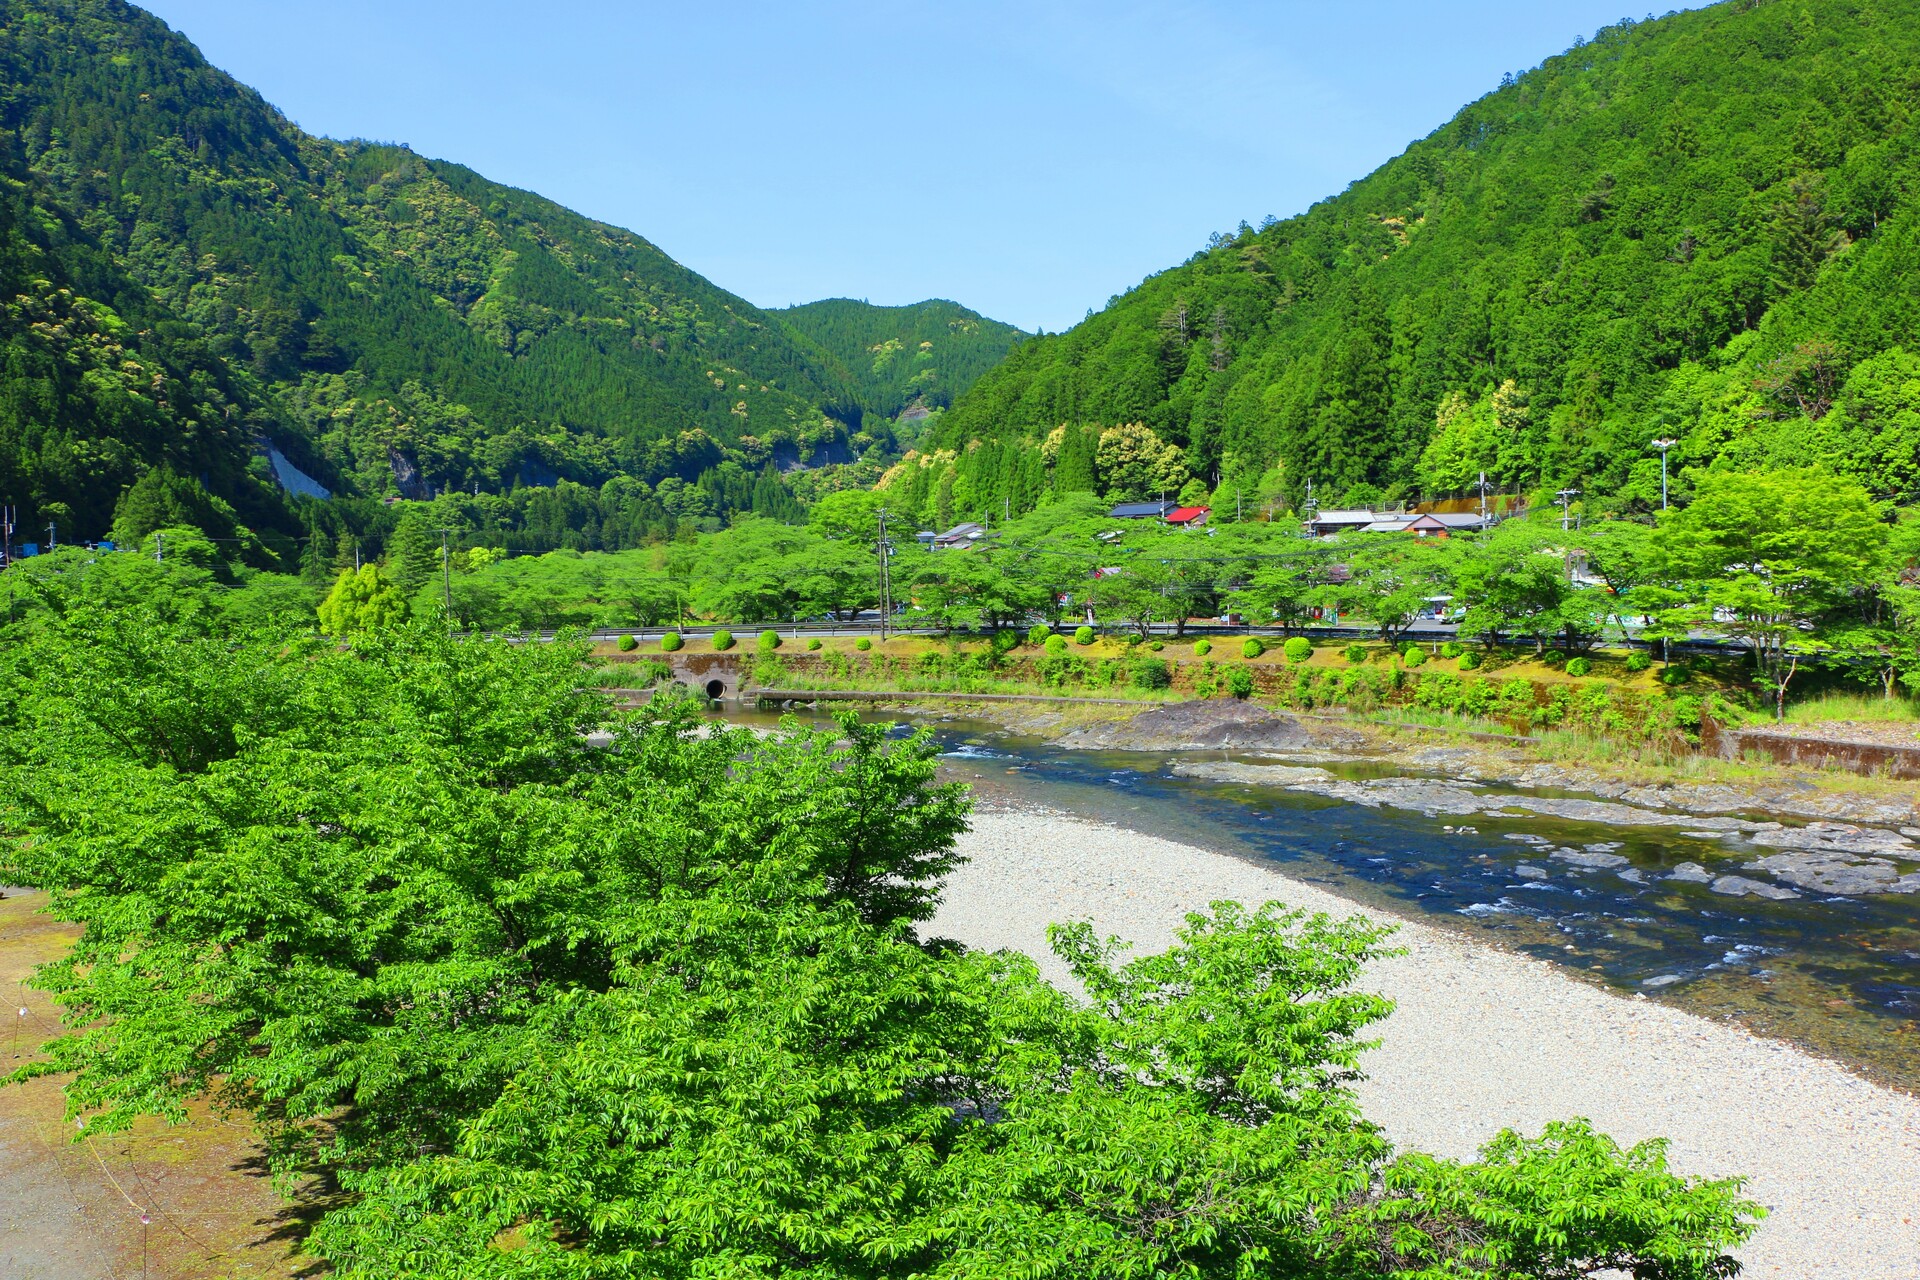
(191, 276)
(902, 358)
(1705, 227)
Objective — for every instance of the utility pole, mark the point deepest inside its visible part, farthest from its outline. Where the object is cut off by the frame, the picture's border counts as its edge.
(6, 535)
(1566, 497)
(886, 602)
(446, 573)
(1663, 444)
(52, 540)
(1483, 499)
(159, 547)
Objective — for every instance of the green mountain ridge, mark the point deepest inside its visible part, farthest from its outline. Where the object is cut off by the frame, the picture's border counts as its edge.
(393, 324)
(1702, 227)
(919, 356)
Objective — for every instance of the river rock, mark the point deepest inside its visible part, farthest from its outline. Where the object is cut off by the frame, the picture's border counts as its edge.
(1180, 726)
(1832, 872)
(1259, 775)
(1691, 873)
(1741, 887)
(1836, 837)
(1588, 859)
(1527, 871)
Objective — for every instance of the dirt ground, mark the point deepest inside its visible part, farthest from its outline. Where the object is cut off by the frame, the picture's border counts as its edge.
(73, 1210)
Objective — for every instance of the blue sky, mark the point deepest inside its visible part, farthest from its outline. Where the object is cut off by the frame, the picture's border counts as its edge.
(1026, 159)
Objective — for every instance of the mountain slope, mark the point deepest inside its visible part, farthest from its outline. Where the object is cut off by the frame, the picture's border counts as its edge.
(392, 323)
(1700, 226)
(921, 355)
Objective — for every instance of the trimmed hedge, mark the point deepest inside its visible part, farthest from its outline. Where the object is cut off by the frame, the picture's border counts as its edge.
(1297, 649)
(1579, 666)
(1037, 635)
(1356, 653)
(723, 639)
(1639, 660)
(1251, 647)
(1056, 645)
(813, 645)
(863, 644)
(767, 641)
(1202, 647)
(671, 641)
(1413, 655)
(1469, 661)
(1452, 649)
(627, 644)
(1083, 635)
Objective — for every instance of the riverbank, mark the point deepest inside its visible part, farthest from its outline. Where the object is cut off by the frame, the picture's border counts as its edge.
(1482, 1039)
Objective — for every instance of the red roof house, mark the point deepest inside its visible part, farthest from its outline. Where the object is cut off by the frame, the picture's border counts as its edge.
(1189, 517)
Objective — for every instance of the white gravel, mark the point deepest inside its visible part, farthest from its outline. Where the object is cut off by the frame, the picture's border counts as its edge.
(1484, 1040)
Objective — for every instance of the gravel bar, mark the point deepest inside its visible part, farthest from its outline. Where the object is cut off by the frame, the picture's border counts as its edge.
(1483, 1040)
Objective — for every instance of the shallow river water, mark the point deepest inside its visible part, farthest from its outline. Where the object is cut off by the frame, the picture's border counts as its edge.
(1840, 975)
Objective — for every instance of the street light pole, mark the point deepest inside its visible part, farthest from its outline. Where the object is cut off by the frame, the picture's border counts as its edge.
(1566, 497)
(1663, 444)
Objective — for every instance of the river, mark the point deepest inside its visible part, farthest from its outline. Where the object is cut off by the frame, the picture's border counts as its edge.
(1839, 975)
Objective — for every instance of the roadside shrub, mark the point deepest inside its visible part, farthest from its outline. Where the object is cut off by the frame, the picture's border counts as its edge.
(671, 641)
(767, 641)
(1674, 674)
(723, 639)
(1298, 649)
(1251, 647)
(628, 644)
(1356, 654)
(1038, 633)
(1056, 645)
(1004, 642)
(863, 644)
(813, 645)
(1452, 649)
(1083, 635)
(1413, 655)
(1202, 647)
(1148, 673)
(1469, 661)
(1240, 682)
(1579, 666)
(1553, 657)
(1639, 660)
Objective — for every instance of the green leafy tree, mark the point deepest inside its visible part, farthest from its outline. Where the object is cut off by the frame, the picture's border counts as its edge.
(362, 602)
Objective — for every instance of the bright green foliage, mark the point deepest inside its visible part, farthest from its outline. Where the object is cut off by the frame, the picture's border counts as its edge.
(670, 641)
(767, 641)
(1775, 554)
(1149, 673)
(1517, 583)
(1579, 666)
(1702, 226)
(1083, 635)
(813, 645)
(660, 1008)
(1252, 647)
(1356, 653)
(1297, 649)
(362, 602)
(1039, 634)
(1202, 647)
(863, 644)
(1240, 682)
(1639, 660)
(1452, 649)
(1413, 655)
(1470, 661)
(722, 639)
(921, 355)
(628, 644)
(1056, 645)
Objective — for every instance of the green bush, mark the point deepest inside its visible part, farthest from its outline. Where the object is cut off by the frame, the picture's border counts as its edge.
(1553, 657)
(1202, 647)
(1674, 673)
(627, 644)
(1298, 649)
(1356, 653)
(863, 644)
(723, 639)
(1156, 646)
(1452, 649)
(1038, 633)
(767, 641)
(1579, 666)
(1083, 635)
(1056, 645)
(1639, 660)
(1469, 661)
(671, 641)
(813, 645)
(1413, 655)
(1240, 682)
(1004, 642)
(1148, 673)
(1251, 647)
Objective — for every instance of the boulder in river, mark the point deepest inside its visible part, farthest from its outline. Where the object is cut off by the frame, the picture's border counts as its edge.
(1180, 726)
(1833, 872)
(1742, 887)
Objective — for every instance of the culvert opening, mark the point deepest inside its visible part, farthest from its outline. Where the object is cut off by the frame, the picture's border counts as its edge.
(716, 689)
